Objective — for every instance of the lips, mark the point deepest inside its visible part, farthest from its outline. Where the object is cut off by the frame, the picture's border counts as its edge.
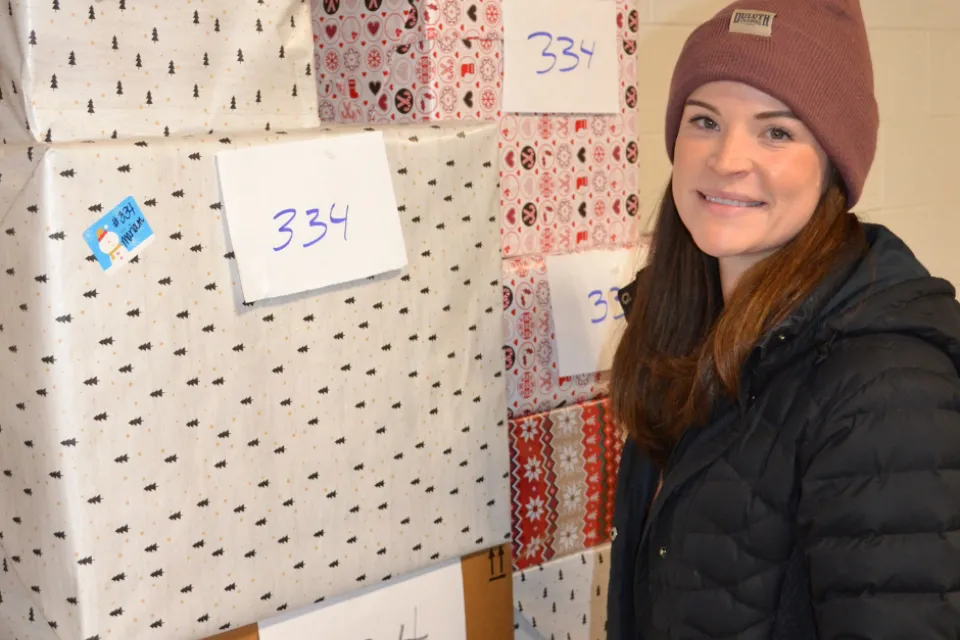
(730, 199)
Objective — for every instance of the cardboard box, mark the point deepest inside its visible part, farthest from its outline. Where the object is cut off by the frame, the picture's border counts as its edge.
(488, 597)
(177, 461)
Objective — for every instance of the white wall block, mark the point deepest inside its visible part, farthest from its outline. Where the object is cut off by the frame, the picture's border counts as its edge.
(945, 72)
(687, 12)
(918, 14)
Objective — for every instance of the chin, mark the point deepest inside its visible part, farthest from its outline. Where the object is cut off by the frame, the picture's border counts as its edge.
(720, 239)
(720, 247)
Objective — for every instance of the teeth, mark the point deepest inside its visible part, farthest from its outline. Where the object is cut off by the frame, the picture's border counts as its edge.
(732, 203)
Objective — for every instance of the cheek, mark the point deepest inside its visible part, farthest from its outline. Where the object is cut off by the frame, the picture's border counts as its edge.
(689, 156)
(796, 178)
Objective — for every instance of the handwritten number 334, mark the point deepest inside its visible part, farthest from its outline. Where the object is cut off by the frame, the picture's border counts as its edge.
(600, 303)
(567, 51)
(313, 214)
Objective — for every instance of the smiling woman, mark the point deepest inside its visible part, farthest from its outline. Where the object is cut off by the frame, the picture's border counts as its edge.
(788, 377)
(747, 175)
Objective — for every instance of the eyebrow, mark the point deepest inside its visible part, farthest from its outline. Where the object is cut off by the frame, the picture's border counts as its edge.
(764, 115)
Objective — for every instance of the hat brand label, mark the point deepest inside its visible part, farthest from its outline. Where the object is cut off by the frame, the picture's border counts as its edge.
(756, 23)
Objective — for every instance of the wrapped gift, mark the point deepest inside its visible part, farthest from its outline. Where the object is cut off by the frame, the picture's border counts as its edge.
(529, 348)
(394, 60)
(563, 475)
(129, 69)
(568, 183)
(177, 462)
(564, 598)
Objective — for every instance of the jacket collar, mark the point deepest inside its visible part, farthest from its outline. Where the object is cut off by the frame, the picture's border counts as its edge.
(885, 289)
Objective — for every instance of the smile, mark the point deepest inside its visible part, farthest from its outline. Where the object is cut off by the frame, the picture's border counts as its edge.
(729, 202)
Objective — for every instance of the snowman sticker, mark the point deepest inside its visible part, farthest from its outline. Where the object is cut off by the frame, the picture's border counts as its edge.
(119, 235)
(110, 245)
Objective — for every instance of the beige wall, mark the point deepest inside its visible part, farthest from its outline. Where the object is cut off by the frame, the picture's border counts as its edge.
(914, 186)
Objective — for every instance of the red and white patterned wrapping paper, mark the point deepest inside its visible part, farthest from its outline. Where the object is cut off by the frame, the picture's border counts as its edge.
(534, 383)
(567, 182)
(563, 470)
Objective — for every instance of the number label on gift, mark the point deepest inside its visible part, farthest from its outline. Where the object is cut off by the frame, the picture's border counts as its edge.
(560, 56)
(310, 214)
(567, 52)
(603, 303)
(585, 308)
(119, 235)
(317, 229)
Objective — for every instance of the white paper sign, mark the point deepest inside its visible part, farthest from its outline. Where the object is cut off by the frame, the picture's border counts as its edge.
(428, 605)
(560, 56)
(310, 214)
(587, 316)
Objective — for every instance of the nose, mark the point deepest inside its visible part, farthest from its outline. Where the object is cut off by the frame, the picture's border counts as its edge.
(731, 154)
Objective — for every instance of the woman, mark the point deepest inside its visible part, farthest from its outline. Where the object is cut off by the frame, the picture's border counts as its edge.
(788, 377)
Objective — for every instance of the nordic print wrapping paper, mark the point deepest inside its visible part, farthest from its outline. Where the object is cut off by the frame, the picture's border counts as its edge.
(93, 70)
(565, 598)
(567, 182)
(563, 476)
(173, 462)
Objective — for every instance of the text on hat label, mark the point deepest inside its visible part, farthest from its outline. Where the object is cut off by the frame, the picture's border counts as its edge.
(757, 23)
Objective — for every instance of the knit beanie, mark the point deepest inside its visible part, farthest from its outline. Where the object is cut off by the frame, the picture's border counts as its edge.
(812, 55)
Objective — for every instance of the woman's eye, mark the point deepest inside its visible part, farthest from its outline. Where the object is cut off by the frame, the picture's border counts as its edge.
(703, 122)
(780, 134)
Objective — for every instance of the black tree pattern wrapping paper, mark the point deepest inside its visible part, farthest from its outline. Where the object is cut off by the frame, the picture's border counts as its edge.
(174, 462)
(74, 70)
(563, 598)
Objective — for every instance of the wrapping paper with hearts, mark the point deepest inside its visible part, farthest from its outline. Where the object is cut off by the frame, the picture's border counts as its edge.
(564, 598)
(176, 462)
(563, 475)
(124, 69)
(530, 350)
(567, 183)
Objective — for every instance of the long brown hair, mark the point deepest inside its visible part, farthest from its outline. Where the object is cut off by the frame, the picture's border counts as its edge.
(683, 346)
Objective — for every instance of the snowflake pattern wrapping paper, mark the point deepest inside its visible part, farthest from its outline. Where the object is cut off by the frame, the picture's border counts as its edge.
(565, 599)
(175, 462)
(77, 71)
(567, 183)
(563, 469)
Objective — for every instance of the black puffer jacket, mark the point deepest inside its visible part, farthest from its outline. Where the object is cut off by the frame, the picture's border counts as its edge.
(823, 503)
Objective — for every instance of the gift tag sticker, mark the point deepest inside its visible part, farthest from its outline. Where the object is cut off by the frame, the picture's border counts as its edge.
(119, 235)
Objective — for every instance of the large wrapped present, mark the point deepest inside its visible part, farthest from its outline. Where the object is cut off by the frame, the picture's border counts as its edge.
(564, 598)
(563, 472)
(176, 461)
(71, 71)
(568, 182)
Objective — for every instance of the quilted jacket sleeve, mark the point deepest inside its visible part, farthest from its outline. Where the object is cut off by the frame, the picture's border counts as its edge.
(879, 506)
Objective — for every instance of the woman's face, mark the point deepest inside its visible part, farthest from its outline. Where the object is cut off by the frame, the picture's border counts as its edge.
(747, 174)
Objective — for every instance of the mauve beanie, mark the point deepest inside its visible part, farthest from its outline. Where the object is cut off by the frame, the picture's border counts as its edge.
(812, 55)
